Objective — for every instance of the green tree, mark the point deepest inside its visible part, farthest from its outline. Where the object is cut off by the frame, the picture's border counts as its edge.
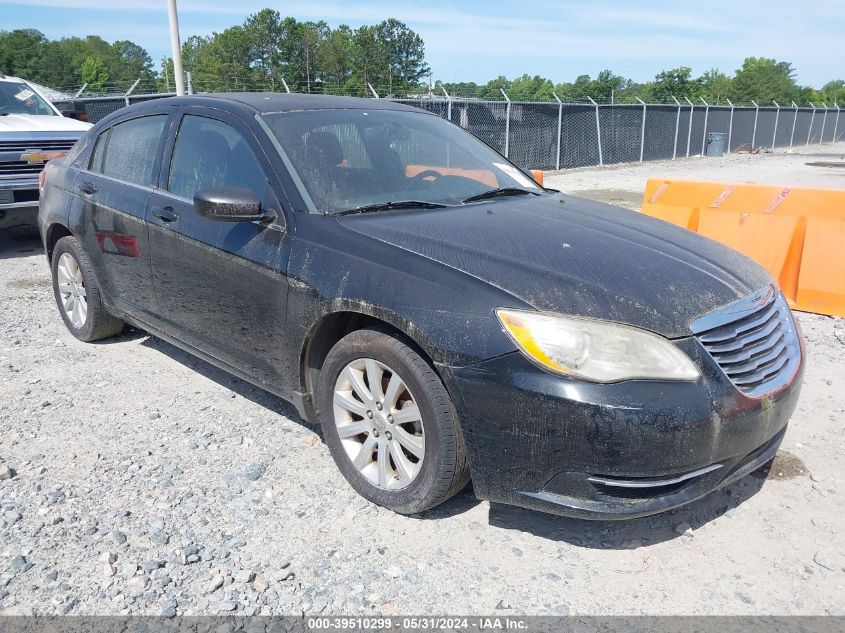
(165, 79)
(676, 82)
(93, 72)
(335, 58)
(22, 53)
(763, 80)
(367, 60)
(457, 89)
(715, 86)
(608, 87)
(403, 53)
(263, 36)
(221, 61)
(132, 62)
(807, 94)
(528, 88)
(493, 88)
(303, 42)
(834, 92)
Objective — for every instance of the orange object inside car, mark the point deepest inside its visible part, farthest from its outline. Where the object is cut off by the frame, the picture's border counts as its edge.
(481, 175)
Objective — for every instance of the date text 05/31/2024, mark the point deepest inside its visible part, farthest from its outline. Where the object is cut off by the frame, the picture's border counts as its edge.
(419, 623)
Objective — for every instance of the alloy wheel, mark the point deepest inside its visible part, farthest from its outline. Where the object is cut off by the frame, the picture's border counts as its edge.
(74, 298)
(379, 424)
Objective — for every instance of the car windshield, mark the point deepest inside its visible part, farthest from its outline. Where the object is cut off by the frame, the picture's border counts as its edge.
(346, 160)
(19, 98)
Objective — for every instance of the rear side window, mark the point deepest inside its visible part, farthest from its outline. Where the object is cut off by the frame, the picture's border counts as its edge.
(211, 153)
(99, 150)
(130, 149)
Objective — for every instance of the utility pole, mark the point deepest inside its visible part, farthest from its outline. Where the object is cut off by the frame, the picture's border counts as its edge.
(176, 45)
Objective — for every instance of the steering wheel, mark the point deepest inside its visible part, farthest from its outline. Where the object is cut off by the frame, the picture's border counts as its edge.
(5, 107)
(420, 177)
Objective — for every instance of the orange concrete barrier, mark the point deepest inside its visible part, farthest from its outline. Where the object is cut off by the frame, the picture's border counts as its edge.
(796, 233)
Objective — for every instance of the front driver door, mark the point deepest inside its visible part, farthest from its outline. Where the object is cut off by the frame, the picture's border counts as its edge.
(221, 286)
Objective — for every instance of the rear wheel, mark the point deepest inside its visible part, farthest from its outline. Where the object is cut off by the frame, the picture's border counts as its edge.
(390, 424)
(78, 294)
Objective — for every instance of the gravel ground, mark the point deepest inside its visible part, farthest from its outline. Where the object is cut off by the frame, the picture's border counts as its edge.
(137, 479)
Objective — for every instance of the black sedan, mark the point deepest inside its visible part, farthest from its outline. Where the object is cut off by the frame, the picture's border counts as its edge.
(442, 315)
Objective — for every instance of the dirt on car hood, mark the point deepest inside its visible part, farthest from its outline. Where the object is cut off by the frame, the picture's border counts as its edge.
(573, 256)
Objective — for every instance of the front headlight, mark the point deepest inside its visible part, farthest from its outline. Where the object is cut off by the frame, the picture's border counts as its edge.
(595, 350)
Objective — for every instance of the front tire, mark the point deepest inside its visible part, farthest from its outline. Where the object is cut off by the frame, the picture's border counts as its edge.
(390, 424)
(78, 294)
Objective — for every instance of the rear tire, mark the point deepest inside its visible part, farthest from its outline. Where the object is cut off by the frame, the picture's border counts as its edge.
(409, 455)
(77, 293)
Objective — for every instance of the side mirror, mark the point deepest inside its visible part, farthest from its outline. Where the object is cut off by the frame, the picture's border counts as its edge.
(229, 204)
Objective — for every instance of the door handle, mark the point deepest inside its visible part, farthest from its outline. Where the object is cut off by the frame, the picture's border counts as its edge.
(165, 214)
(88, 188)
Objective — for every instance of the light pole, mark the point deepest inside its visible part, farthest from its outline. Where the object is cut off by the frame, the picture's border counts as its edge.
(176, 46)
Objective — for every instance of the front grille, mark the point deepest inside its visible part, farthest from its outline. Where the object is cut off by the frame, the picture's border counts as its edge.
(20, 167)
(22, 146)
(754, 341)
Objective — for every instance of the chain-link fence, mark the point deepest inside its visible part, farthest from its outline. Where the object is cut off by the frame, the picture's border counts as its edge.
(565, 135)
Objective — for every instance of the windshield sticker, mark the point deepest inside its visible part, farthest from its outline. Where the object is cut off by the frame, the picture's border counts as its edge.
(517, 175)
(24, 94)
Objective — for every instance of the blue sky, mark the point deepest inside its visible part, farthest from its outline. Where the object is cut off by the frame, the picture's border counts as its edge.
(476, 40)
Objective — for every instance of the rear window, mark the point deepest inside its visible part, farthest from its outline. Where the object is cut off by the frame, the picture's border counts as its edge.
(130, 149)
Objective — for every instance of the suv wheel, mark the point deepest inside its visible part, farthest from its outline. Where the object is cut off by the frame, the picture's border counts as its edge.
(78, 295)
(390, 424)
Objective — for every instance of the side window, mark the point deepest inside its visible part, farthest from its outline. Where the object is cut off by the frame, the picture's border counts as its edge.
(210, 153)
(96, 163)
(130, 149)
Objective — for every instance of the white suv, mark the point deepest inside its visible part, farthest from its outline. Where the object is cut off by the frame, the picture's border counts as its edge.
(32, 131)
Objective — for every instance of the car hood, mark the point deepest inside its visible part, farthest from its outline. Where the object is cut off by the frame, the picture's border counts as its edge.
(572, 256)
(40, 123)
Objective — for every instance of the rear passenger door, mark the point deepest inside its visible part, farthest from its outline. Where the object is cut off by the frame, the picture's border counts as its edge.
(221, 286)
(113, 191)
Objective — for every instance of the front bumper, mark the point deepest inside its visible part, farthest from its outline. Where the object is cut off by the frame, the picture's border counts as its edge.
(18, 201)
(612, 451)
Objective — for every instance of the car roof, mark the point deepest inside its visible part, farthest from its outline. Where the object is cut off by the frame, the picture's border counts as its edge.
(246, 104)
(264, 102)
